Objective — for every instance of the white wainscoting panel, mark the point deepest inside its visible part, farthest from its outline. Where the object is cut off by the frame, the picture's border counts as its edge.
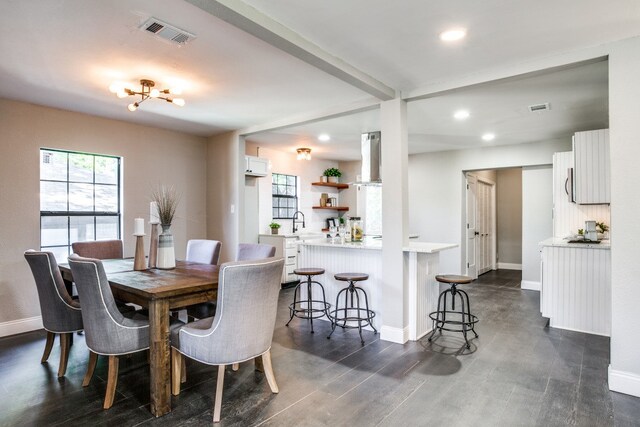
(576, 288)
(423, 291)
(21, 325)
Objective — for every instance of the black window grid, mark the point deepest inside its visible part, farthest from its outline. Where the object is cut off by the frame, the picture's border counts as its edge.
(284, 195)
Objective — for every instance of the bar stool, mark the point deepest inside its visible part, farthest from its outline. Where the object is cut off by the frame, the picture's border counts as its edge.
(351, 312)
(304, 308)
(466, 320)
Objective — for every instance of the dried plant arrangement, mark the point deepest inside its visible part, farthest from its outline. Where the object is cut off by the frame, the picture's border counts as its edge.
(166, 198)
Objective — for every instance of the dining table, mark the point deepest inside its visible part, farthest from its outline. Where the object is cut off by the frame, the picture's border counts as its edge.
(160, 291)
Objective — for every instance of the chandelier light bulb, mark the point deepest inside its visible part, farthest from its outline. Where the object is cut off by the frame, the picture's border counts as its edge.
(122, 93)
(133, 107)
(178, 101)
(146, 91)
(154, 93)
(115, 87)
(175, 91)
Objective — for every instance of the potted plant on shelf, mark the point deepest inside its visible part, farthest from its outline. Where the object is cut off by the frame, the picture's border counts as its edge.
(274, 227)
(332, 174)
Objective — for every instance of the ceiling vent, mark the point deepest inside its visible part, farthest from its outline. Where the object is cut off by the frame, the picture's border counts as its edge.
(167, 32)
(539, 107)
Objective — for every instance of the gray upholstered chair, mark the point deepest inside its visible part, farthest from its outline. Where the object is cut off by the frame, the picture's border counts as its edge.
(251, 251)
(203, 251)
(108, 332)
(60, 313)
(99, 249)
(246, 252)
(242, 328)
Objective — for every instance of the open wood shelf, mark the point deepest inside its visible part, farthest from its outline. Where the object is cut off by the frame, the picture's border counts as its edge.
(338, 185)
(334, 208)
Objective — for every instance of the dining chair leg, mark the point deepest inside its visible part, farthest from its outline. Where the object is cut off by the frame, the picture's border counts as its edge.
(259, 364)
(218, 401)
(48, 346)
(112, 381)
(235, 367)
(268, 371)
(183, 367)
(65, 343)
(176, 371)
(93, 359)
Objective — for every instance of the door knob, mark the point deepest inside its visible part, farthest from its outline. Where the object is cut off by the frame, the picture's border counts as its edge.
(477, 233)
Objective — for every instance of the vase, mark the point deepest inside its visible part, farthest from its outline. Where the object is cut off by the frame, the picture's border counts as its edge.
(333, 179)
(323, 178)
(274, 231)
(166, 251)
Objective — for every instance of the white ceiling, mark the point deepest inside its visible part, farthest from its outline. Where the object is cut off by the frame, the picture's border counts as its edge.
(65, 53)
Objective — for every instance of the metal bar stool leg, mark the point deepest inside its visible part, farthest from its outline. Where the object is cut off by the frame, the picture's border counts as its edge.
(355, 291)
(292, 309)
(309, 303)
(334, 322)
(469, 314)
(369, 317)
(464, 323)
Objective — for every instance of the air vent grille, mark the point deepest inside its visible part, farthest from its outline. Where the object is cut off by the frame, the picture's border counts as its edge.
(539, 107)
(167, 32)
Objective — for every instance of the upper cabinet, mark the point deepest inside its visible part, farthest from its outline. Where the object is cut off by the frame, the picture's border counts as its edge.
(256, 166)
(592, 167)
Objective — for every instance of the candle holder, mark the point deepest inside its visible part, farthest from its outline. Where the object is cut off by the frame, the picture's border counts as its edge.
(153, 245)
(139, 261)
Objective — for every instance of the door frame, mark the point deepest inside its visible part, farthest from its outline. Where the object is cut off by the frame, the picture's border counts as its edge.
(493, 224)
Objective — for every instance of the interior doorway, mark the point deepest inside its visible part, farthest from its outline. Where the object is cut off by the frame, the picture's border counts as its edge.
(493, 220)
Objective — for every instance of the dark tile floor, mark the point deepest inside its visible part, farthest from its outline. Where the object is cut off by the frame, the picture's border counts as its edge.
(519, 372)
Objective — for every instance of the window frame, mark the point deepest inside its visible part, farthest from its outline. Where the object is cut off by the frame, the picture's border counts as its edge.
(73, 214)
(275, 196)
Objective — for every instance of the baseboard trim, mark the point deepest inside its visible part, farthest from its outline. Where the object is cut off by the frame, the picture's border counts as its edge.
(509, 266)
(19, 326)
(530, 285)
(624, 382)
(396, 335)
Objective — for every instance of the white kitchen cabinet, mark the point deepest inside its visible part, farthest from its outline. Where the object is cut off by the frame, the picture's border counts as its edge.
(256, 166)
(592, 167)
(286, 248)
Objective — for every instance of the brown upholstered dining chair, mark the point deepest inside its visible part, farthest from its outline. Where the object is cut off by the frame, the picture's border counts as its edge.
(99, 249)
(60, 313)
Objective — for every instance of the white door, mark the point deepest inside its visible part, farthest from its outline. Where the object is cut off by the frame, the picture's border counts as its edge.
(485, 226)
(472, 183)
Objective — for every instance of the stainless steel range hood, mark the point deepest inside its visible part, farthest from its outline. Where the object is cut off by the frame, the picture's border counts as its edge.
(371, 160)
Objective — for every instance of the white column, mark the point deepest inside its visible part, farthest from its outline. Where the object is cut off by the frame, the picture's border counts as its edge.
(624, 110)
(395, 220)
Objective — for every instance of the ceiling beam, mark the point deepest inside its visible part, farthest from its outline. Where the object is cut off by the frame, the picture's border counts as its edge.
(259, 25)
(317, 116)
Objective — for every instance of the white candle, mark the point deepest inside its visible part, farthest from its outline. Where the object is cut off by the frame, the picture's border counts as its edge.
(153, 213)
(138, 229)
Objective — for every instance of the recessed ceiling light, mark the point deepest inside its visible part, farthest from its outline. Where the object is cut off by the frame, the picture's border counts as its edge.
(488, 137)
(461, 114)
(324, 137)
(453, 34)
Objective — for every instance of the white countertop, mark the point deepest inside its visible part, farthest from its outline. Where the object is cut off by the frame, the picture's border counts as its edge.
(376, 244)
(560, 242)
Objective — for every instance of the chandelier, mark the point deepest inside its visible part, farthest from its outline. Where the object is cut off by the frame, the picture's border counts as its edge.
(147, 90)
(304, 153)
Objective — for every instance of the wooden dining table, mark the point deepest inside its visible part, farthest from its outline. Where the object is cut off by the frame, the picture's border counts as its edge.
(160, 291)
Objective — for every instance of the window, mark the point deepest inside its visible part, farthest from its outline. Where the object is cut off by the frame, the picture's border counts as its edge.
(79, 199)
(284, 192)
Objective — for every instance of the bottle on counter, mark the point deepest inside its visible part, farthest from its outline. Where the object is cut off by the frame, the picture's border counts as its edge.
(356, 229)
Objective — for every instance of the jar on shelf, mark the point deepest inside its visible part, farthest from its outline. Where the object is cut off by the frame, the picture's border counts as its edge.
(356, 229)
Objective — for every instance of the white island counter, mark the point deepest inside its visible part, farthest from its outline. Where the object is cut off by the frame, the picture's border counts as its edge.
(421, 288)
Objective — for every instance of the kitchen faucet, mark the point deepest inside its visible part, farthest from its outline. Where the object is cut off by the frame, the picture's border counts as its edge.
(294, 218)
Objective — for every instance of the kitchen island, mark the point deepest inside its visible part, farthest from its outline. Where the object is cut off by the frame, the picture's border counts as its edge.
(420, 287)
(576, 285)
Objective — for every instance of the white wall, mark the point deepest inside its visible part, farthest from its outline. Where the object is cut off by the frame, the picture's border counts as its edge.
(308, 172)
(151, 156)
(624, 111)
(537, 220)
(436, 189)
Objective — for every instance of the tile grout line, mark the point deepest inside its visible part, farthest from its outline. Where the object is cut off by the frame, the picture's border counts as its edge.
(401, 403)
(284, 409)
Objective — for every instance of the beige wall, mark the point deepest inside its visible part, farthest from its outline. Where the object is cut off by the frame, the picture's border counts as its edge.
(151, 156)
(509, 214)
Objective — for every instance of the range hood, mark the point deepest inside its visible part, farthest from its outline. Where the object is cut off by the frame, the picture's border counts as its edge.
(371, 173)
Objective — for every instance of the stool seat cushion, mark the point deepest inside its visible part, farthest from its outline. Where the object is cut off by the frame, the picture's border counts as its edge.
(308, 271)
(351, 277)
(453, 278)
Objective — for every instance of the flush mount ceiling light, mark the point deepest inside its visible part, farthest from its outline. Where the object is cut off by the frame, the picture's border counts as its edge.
(453, 34)
(324, 137)
(488, 137)
(304, 153)
(147, 90)
(461, 115)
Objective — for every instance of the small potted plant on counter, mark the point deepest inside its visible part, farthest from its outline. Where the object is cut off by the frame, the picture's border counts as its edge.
(332, 174)
(274, 227)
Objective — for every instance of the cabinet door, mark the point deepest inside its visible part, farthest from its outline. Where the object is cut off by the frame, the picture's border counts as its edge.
(256, 166)
(592, 170)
